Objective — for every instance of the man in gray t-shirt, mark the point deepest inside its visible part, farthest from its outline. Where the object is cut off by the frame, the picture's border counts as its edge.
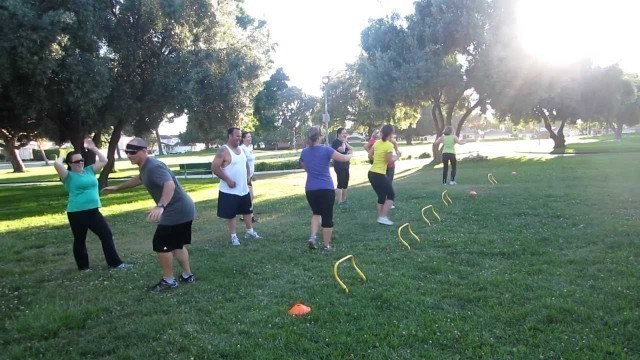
(174, 213)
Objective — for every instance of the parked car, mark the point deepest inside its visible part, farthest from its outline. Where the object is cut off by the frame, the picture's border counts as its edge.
(356, 138)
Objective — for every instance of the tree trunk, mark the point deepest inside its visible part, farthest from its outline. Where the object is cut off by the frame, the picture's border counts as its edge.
(160, 150)
(44, 156)
(12, 152)
(559, 142)
(467, 114)
(618, 131)
(113, 146)
(437, 154)
(409, 135)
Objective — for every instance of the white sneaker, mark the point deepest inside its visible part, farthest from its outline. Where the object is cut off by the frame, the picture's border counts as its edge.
(384, 221)
(393, 206)
(254, 235)
(453, 183)
(235, 241)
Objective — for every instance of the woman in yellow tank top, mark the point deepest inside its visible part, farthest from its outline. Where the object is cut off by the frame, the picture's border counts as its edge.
(449, 141)
(382, 153)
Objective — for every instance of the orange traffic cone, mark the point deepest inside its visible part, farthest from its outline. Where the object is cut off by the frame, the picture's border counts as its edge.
(299, 309)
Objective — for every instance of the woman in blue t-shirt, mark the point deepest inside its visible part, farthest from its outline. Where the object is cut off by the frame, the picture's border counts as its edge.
(83, 207)
(319, 188)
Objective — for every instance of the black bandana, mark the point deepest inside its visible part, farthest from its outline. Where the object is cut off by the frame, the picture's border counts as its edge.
(135, 147)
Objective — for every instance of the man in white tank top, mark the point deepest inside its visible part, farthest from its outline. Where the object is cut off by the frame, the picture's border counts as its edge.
(230, 165)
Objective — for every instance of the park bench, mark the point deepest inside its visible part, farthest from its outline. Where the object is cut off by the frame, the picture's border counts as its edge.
(195, 169)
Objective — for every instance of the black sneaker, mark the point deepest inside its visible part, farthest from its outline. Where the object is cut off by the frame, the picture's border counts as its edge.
(189, 279)
(164, 285)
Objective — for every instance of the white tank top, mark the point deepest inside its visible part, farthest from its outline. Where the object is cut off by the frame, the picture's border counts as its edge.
(251, 158)
(236, 170)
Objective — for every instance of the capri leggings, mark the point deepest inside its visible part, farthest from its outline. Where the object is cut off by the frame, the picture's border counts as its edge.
(382, 186)
(321, 203)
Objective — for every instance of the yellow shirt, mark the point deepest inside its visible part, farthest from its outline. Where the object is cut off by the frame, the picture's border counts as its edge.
(380, 151)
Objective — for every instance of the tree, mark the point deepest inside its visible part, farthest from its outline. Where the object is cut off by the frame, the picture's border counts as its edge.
(629, 112)
(225, 74)
(31, 42)
(294, 110)
(266, 101)
(432, 59)
(350, 104)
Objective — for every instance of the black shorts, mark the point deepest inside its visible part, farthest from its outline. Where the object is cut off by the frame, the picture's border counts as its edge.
(230, 205)
(171, 237)
(342, 174)
(321, 203)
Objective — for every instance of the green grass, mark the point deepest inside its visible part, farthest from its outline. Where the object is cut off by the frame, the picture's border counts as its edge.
(542, 265)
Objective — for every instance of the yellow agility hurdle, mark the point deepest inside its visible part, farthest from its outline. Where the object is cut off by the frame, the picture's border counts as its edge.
(353, 263)
(492, 180)
(434, 213)
(400, 235)
(446, 199)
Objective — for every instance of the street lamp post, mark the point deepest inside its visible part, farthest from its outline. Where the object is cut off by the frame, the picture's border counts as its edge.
(325, 116)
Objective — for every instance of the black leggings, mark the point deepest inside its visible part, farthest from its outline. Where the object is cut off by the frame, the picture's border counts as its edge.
(446, 157)
(321, 203)
(382, 186)
(81, 222)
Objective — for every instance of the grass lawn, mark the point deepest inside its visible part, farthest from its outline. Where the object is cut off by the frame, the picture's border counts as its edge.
(542, 265)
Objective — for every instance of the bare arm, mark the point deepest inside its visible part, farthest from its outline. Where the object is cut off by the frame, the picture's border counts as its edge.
(222, 156)
(336, 156)
(168, 188)
(101, 159)
(395, 147)
(390, 157)
(60, 169)
(458, 141)
(133, 182)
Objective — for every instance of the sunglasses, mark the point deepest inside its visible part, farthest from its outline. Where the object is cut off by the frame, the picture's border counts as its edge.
(131, 152)
(77, 161)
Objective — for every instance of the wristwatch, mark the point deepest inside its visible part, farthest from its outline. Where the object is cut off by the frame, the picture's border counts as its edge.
(160, 205)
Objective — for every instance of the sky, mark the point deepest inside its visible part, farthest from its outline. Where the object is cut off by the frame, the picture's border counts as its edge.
(316, 38)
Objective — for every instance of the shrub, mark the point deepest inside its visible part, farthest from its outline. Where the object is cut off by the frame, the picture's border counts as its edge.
(3, 158)
(278, 165)
(37, 155)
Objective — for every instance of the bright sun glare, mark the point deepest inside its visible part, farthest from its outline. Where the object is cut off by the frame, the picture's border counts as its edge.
(563, 31)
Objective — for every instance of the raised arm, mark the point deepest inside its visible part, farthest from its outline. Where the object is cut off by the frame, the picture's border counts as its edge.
(101, 160)
(60, 168)
(395, 147)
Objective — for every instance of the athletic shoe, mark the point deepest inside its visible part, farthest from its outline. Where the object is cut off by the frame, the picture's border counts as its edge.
(384, 221)
(164, 285)
(254, 220)
(254, 235)
(327, 248)
(393, 207)
(312, 243)
(190, 279)
(123, 266)
(235, 241)
(87, 270)
(453, 183)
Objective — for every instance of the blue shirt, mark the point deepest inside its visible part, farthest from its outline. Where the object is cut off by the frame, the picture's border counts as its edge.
(316, 163)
